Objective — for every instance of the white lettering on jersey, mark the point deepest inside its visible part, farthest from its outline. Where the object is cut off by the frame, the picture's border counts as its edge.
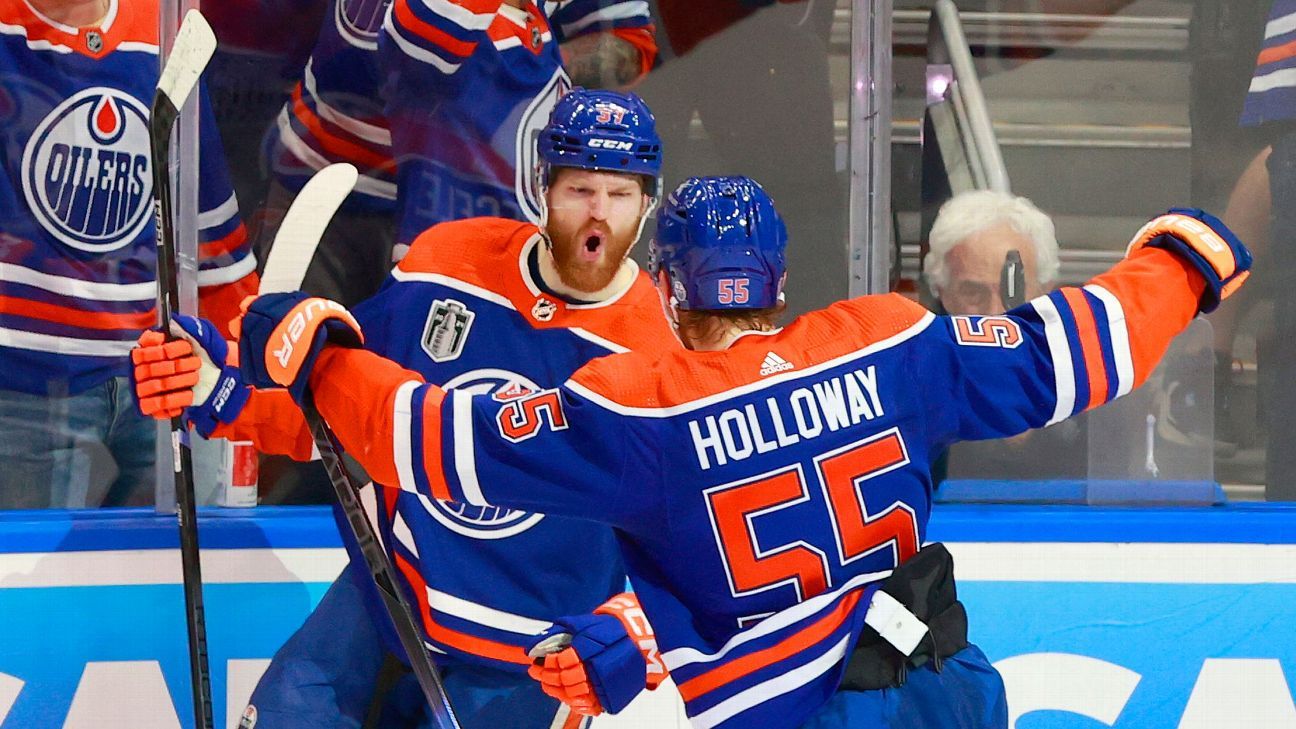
(830, 405)
(86, 173)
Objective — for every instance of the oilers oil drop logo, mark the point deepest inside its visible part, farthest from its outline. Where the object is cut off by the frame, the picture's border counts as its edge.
(86, 171)
(485, 522)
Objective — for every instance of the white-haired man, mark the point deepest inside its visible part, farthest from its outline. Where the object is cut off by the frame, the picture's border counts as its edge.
(972, 239)
(971, 242)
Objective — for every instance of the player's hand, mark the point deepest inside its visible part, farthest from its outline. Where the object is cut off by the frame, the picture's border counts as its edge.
(187, 374)
(281, 335)
(611, 656)
(1204, 241)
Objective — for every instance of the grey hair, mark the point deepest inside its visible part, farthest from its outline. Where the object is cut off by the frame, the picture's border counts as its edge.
(970, 213)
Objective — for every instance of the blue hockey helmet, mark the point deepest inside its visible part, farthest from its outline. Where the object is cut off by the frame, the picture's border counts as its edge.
(606, 131)
(721, 244)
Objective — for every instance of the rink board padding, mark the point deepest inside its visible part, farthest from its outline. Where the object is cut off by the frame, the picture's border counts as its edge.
(1126, 617)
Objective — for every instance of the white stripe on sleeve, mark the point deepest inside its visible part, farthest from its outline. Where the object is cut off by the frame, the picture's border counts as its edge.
(459, 14)
(227, 274)
(1278, 26)
(465, 457)
(417, 52)
(1120, 345)
(1064, 382)
(620, 11)
(219, 214)
(401, 436)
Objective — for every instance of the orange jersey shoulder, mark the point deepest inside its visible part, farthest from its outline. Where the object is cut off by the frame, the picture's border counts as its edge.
(663, 380)
(475, 250)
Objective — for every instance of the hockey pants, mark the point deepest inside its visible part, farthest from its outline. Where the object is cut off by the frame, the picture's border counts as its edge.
(968, 693)
(326, 674)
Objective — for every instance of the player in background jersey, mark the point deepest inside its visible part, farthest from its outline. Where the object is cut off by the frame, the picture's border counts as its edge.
(469, 84)
(771, 487)
(77, 248)
(483, 304)
(336, 112)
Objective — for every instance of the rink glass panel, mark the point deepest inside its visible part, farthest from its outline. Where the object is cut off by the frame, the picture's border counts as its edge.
(1104, 116)
(1107, 113)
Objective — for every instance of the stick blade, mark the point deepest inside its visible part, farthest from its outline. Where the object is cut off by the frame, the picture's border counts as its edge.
(193, 48)
(303, 226)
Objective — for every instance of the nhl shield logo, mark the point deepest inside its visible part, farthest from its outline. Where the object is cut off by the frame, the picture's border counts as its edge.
(86, 173)
(446, 330)
(544, 309)
(94, 41)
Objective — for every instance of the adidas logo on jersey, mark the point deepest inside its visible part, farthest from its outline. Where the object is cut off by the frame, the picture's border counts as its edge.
(774, 363)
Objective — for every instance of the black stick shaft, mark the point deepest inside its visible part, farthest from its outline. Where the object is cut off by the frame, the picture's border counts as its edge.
(163, 118)
(380, 569)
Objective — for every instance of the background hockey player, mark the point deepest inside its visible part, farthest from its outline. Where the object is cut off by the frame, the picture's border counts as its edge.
(480, 304)
(771, 487)
(471, 82)
(77, 248)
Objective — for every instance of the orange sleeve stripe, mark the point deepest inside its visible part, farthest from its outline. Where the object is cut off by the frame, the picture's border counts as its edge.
(364, 157)
(76, 317)
(1277, 53)
(432, 459)
(229, 243)
(748, 664)
(453, 638)
(1090, 346)
(431, 33)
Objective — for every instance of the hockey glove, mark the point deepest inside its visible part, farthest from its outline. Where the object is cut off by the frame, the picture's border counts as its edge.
(281, 335)
(169, 377)
(1204, 241)
(612, 656)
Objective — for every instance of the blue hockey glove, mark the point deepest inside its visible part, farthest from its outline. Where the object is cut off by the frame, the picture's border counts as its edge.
(1204, 241)
(189, 373)
(281, 335)
(602, 666)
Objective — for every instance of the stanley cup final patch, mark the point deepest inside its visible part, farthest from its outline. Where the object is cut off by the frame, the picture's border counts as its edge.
(446, 330)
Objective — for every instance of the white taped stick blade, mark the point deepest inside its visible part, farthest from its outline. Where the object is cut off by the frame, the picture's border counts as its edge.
(303, 226)
(193, 48)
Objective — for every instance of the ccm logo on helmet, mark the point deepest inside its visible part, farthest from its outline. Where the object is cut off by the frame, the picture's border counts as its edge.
(304, 320)
(611, 144)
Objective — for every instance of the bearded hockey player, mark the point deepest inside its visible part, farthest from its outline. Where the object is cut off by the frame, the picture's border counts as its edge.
(496, 306)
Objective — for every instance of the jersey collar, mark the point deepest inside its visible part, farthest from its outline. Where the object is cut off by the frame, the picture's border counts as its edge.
(94, 41)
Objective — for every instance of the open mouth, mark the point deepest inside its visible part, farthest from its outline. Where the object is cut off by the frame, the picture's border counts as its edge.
(591, 249)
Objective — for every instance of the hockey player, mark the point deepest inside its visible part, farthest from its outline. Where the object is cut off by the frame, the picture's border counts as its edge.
(78, 251)
(479, 304)
(771, 487)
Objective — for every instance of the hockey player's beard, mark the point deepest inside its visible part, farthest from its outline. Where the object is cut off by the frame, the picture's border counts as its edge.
(589, 258)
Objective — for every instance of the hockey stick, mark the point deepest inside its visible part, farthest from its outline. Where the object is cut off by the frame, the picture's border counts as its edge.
(193, 47)
(290, 255)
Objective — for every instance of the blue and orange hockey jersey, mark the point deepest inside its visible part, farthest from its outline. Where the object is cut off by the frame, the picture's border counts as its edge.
(470, 83)
(761, 493)
(335, 113)
(466, 308)
(77, 237)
